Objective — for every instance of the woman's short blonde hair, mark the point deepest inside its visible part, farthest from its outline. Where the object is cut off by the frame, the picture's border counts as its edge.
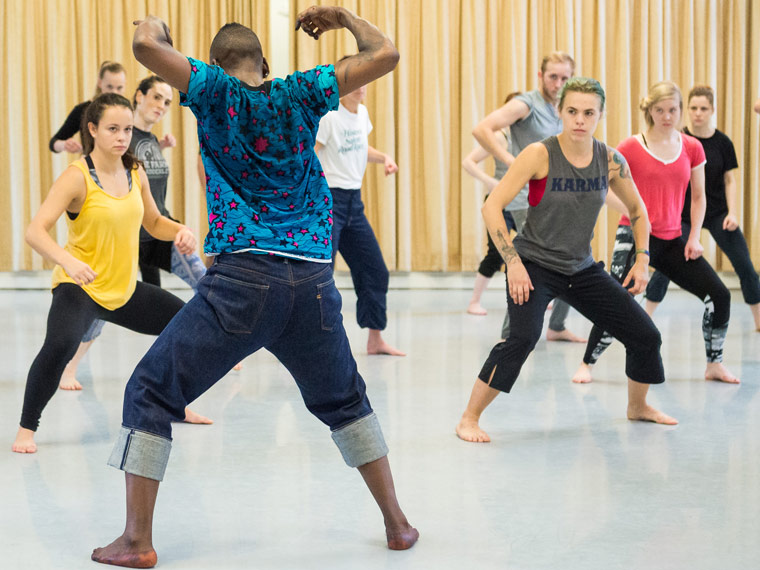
(658, 92)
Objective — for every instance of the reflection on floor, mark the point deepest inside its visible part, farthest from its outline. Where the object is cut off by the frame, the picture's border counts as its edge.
(567, 482)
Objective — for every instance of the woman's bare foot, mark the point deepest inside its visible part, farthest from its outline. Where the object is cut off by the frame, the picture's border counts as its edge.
(24, 441)
(649, 414)
(376, 345)
(563, 336)
(469, 430)
(125, 552)
(238, 366)
(716, 371)
(476, 309)
(583, 374)
(69, 382)
(69, 376)
(401, 538)
(192, 417)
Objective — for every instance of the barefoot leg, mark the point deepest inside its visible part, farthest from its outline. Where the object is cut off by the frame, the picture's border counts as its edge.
(583, 374)
(376, 345)
(134, 548)
(475, 308)
(716, 371)
(639, 410)
(192, 417)
(651, 307)
(399, 533)
(24, 441)
(563, 336)
(468, 428)
(68, 378)
(756, 315)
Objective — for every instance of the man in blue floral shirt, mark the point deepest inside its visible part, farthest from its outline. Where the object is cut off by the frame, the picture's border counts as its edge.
(271, 284)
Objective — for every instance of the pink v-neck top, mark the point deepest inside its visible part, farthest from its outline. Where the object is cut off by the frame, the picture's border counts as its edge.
(662, 183)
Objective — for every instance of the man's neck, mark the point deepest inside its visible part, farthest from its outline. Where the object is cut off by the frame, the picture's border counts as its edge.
(247, 76)
(552, 102)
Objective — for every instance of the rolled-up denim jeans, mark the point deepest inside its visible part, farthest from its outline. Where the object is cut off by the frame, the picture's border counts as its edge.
(246, 302)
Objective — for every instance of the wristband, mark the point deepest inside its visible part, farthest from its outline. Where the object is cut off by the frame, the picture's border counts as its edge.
(644, 251)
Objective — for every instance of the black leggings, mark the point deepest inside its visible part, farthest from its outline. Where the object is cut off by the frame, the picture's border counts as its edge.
(72, 311)
(695, 276)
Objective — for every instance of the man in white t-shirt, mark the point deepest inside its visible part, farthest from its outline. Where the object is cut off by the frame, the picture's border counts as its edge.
(343, 150)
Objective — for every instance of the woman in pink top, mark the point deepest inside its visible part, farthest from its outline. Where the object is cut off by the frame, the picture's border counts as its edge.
(663, 162)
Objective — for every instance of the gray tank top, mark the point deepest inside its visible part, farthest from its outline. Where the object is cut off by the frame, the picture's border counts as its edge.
(563, 210)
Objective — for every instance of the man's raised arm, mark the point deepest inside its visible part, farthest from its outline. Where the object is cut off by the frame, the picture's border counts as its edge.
(153, 47)
(377, 54)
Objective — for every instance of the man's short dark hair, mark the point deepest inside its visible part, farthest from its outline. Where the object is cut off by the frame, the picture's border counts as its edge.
(235, 44)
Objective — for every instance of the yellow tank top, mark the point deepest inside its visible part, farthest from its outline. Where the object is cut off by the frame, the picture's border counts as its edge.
(105, 235)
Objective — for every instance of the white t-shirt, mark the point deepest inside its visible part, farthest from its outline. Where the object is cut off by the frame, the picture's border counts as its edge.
(343, 136)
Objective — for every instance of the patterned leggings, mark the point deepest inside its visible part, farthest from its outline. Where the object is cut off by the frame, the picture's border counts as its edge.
(695, 276)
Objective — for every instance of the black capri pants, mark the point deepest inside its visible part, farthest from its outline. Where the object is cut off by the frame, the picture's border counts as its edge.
(595, 295)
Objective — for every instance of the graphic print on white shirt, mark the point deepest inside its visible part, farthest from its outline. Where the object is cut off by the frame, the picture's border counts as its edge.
(343, 136)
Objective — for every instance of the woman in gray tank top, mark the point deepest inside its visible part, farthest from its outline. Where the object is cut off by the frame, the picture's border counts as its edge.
(568, 177)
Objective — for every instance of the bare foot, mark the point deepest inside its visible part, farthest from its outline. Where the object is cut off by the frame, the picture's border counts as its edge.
(401, 538)
(649, 414)
(476, 309)
(24, 441)
(192, 417)
(69, 383)
(383, 348)
(125, 552)
(716, 371)
(469, 430)
(238, 366)
(583, 374)
(563, 336)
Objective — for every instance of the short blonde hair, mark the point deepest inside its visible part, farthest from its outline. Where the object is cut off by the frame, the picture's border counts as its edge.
(557, 57)
(658, 92)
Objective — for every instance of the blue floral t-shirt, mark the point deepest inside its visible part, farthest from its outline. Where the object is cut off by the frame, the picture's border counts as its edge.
(265, 188)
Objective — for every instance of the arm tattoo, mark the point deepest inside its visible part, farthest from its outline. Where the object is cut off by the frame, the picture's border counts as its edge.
(635, 219)
(508, 253)
(619, 164)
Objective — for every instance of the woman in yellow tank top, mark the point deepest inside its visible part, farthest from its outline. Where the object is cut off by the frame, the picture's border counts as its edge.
(106, 198)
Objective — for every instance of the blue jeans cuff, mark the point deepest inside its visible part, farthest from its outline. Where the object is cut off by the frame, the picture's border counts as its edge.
(361, 442)
(141, 453)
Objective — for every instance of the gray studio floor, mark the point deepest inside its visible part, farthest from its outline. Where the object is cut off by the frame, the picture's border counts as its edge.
(567, 483)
